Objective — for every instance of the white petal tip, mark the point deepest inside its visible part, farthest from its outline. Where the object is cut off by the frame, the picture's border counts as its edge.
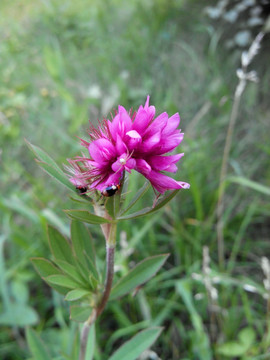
(185, 186)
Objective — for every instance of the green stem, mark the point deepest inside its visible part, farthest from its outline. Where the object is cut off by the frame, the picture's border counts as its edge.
(224, 168)
(110, 246)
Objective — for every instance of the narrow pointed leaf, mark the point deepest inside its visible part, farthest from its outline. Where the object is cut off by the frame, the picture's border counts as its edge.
(59, 245)
(81, 199)
(62, 280)
(82, 241)
(137, 197)
(133, 348)
(86, 216)
(71, 272)
(91, 267)
(59, 176)
(76, 294)
(42, 155)
(90, 346)
(44, 267)
(50, 166)
(80, 313)
(93, 282)
(149, 210)
(110, 206)
(137, 214)
(164, 201)
(138, 275)
(250, 184)
(84, 272)
(36, 345)
(60, 289)
(183, 287)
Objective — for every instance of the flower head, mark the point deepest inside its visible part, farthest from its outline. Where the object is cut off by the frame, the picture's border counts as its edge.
(138, 142)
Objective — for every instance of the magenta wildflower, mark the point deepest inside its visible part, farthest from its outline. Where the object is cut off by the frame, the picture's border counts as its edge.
(139, 142)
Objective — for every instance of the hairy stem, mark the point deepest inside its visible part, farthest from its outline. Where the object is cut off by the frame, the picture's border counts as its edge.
(109, 280)
(84, 334)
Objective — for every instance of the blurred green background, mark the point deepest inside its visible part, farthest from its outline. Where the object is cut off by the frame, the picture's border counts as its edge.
(64, 62)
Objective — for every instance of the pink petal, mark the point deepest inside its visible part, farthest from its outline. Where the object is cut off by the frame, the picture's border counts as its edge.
(120, 145)
(101, 150)
(162, 182)
(123, 163)
(164, 163)
(159, 123)
(121, 123)
(142, 166)
(131, 163)
(141, 121)
(170, 143)
(134, 139)
(150, 143)
(146, 105)
(172, 168)
(114, 178)
(172, 124)
(150, 109)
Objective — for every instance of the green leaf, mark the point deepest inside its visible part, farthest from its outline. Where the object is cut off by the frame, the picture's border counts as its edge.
(42, 155)
(59, 176)
(110, 206)
(201, 341)
(82, 242)
(250, 184)
(59, 245)
(50, 166)
(91, 267)
(137, 214)
(137, 197)
(183, 287)
(80, 313)
(63, 281)
(85, 200)
(44, 267)
(76, 294)
(86, 216)
(133, 348)
(71, 271)
(36, 345)
(85, 274)
(232, 349)
(90, 346)
(164, 201)
(138, 275)
(149, 210)
(19, 315)
(247, 336)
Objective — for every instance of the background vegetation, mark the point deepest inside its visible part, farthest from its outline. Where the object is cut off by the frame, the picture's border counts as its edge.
(63, 62)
